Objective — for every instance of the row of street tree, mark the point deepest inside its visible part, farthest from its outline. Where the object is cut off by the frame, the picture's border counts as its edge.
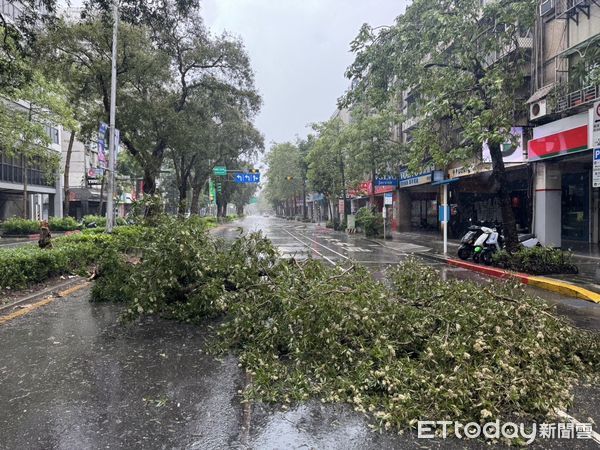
(186, 98)
(462, 61)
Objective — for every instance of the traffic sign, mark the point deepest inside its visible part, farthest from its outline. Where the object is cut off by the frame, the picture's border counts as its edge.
(388, 198)
(220, 170)
(596, 168)
(247, 178)
(596, 126)
(444, 213)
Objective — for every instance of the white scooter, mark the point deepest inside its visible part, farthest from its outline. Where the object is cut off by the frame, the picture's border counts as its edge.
(479, 244)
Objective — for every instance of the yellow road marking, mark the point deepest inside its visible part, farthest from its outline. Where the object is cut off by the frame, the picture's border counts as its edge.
(45, 301)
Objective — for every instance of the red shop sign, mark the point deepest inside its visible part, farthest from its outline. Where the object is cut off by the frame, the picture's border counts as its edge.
(569, 141)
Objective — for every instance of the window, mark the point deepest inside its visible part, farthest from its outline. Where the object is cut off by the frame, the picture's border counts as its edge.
(53, 134)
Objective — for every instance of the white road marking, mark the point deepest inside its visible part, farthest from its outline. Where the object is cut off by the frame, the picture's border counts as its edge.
(324, 246)
(305, 244)
(573, 420)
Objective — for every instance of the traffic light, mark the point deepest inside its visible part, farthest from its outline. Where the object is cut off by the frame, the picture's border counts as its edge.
(289, 178)
(219, 187)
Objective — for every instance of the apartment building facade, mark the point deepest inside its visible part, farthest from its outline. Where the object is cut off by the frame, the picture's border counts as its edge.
(567, 49)
(43, 193)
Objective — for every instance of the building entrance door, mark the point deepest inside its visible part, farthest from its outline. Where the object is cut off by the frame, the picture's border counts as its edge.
(575, 221)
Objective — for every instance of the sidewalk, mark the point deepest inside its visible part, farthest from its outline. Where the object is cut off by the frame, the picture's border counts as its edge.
(573, 285)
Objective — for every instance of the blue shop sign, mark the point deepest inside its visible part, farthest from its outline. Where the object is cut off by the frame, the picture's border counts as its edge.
(387, 181)
(414, 180)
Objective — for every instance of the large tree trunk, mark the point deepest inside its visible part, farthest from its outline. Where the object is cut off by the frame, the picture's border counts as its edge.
(344, 196)
(509, 224)
(66, 206)
(149, 182)
(182, 206)
(372, 193)
(304, 199)
(195, 207)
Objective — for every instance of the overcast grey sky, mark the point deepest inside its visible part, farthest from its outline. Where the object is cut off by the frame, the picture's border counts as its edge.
(299, 51)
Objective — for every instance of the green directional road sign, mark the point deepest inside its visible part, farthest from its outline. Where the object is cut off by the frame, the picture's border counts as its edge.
(253, 200)
(220, 170)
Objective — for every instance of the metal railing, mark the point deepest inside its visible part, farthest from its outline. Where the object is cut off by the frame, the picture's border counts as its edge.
(580, 97)
(11, 10)
(567, 7)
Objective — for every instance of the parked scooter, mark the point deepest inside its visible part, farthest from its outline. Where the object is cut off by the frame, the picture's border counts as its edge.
(467, 242)
(494, 243)
(480, 242)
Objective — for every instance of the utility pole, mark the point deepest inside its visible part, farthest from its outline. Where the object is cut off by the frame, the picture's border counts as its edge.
(110, 209)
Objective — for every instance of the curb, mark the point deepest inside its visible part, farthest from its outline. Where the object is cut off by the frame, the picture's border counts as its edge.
(545, 283)
(548, 284)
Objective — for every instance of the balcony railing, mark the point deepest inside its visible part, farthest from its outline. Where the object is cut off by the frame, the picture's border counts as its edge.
(11, 10)
(571, 8)
(580, 97)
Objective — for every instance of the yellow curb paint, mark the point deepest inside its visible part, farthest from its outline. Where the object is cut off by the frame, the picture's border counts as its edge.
(563, 288)
(45, 301)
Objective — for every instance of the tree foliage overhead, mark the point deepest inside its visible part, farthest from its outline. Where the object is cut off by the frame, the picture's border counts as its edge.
(327, 158)
(174, 80)
(284, 173)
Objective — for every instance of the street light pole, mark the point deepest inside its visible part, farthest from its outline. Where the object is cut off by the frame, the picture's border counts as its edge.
(110, 212)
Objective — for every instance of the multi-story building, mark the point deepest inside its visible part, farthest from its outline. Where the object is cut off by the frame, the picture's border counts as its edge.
(567, 48)
(85, 177)
(43, 194)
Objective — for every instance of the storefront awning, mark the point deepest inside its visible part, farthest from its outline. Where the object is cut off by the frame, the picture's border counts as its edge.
(447, 181)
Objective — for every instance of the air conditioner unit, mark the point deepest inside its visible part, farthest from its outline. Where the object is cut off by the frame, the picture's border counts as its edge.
(546, 7)
(538, 109)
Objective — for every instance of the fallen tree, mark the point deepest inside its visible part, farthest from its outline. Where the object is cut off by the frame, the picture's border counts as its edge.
(410, 348)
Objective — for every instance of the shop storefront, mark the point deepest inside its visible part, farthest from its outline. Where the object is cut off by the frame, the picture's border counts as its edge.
(566, 205)
(417, 205)
(473, 197)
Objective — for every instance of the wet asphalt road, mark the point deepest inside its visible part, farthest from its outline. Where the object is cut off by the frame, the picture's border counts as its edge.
(72, 377)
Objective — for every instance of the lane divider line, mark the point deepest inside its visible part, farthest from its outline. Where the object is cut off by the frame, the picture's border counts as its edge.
(312, 249)
(27, 309)
(324, 246)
